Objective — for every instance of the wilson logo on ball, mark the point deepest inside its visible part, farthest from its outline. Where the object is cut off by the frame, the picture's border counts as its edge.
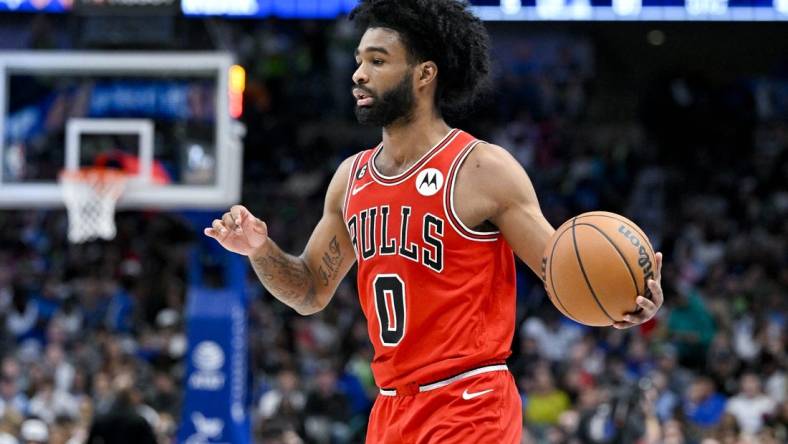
(644, 261)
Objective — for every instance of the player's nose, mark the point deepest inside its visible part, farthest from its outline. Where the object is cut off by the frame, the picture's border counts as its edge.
(360, 76)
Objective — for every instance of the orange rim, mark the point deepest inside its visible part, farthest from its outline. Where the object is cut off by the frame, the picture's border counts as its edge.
(93, 174)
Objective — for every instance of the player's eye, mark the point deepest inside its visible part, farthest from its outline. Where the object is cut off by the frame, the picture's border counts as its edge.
(377, 62)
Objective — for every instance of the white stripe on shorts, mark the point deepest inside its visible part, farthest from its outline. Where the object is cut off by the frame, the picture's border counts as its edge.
(445, 382)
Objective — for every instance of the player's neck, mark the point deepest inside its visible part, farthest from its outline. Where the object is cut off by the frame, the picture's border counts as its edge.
(406, 143)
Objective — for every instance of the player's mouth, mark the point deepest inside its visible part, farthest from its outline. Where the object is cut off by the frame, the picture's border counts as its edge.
(362, 98)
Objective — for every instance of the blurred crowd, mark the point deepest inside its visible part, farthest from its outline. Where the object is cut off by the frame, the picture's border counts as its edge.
(95, 331)
(89, 330)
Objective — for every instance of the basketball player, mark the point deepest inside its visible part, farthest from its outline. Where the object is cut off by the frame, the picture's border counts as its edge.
(431, 216)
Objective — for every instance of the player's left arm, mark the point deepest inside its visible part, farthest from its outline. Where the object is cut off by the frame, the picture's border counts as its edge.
(506, 190)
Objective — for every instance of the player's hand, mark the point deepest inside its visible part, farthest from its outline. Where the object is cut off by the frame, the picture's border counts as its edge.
(239, 231)
(646, 308)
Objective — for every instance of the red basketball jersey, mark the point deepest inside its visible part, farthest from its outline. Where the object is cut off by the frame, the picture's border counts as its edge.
(439, 298)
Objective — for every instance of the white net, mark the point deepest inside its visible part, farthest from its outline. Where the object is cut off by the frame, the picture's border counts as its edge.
(90, 195)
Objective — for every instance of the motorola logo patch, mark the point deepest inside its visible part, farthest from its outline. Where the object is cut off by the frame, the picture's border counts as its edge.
(429, 182)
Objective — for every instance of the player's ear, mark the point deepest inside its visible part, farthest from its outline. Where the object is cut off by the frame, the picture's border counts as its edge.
(426, 72)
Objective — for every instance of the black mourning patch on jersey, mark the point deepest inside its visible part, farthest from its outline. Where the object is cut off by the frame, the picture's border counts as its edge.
(361, 171)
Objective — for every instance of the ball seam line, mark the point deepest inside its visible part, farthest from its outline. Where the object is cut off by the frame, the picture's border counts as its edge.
(629, 269)
(552, 280)
(585, 276)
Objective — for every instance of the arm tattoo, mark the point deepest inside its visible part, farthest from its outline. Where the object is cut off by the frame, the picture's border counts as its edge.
(329, 269)
(287, 278)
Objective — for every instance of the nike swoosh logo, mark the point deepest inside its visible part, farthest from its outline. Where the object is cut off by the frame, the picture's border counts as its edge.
(357, 189)
(468, 396)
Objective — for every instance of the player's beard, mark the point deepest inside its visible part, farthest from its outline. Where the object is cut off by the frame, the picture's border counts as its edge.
(395, 104)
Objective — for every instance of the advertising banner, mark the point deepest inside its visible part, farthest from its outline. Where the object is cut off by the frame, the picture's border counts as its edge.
(214, 408)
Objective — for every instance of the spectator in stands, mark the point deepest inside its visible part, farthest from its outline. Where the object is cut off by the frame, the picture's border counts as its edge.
(122, 424)
(673, 433)
(50, 402)
(23, 318)
(664, 399)
(544, 401)
(164, 395)
(34, 431)
(750, 406)
(285, 401)
(327, 411)
(10, 421)
(11, 398)
(722, 364)
(690, 327)
(703, 405)
(553, 334)
(62, 430)
(277, 432)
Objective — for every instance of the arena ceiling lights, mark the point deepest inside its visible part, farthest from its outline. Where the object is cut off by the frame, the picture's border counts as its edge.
(520, 10)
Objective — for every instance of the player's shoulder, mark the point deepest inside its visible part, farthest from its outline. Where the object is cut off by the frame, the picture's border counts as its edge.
(345, 166)
(342, 173)
(340, 182)
(492, 172)
(489, 161)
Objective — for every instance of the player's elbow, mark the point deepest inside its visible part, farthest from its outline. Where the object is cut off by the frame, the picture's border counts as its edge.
(312, 303)
(307, 311)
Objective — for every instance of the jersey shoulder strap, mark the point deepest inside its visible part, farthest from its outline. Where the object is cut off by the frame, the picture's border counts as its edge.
(358, 171)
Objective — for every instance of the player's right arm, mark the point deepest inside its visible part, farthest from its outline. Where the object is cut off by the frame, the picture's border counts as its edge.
(306, 282)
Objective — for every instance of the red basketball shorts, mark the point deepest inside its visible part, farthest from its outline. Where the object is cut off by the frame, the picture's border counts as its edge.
(477, 407)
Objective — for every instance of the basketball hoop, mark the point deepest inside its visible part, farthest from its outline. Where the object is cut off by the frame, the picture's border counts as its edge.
(90, 195)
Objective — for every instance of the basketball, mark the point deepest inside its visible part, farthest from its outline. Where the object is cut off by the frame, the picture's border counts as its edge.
(595, 266)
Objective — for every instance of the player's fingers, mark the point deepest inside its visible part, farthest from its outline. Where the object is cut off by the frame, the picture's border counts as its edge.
(259, 226)
(210, 232)
(244, 218)
(646, 303)
(622, 325)
(250, 223)
(229, 222)
(239, 213)
(645, 313)
(658, 259)
(656, 292)
(219, 228)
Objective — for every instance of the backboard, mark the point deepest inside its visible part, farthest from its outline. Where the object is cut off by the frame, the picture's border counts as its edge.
(164, 118)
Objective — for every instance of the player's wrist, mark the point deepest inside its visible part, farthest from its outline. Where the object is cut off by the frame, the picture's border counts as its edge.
(261, 250)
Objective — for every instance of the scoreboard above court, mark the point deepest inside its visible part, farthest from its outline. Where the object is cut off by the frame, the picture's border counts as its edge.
(633, 10)
(36, 5)
(93, 7)
(492, 10)
(521, 10)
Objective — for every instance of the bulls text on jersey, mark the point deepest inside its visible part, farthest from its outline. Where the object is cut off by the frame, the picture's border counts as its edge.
(372, 224)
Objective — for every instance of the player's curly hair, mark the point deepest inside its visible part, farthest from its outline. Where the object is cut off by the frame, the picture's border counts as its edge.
(443, 31)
